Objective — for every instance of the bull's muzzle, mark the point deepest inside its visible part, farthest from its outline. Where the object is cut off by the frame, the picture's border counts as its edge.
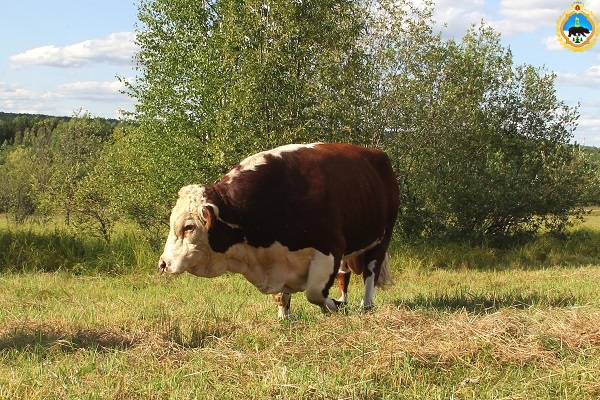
(162, 266)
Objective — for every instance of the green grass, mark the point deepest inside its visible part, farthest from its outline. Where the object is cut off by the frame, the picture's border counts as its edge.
(30, 247)
(460, 323)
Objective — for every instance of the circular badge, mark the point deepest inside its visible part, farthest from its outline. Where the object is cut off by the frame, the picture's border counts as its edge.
(576, 28)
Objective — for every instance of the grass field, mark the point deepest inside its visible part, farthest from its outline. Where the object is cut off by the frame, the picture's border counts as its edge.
(460, 323)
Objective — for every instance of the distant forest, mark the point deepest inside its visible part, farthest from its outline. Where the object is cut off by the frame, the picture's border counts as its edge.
(15, 125)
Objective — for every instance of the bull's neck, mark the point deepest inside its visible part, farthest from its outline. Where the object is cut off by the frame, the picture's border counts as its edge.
(214, 195)
(217, 195)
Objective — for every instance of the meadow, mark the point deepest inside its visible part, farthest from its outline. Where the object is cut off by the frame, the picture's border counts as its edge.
(83, 320)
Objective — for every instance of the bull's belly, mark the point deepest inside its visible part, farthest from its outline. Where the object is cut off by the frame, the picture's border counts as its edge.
(274, 269)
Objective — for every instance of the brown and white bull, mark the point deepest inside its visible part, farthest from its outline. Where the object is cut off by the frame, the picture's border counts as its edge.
(287, 218)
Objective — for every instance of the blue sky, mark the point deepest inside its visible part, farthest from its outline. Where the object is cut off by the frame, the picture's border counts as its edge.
(61, 56)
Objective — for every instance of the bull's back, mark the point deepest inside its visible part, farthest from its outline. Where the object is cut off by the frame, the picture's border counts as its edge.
(319, 196)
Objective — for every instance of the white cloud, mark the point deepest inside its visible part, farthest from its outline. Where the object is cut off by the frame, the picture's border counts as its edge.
(458, 17)
(101, 98)
(98, 91)
(593, 124)
(593, 6)
(116, 48)
(552, 43)
(528, 17)
(588, 124)
(511, 18)
(14, 98)
(589, 78)
(588, 131)
(546, 11)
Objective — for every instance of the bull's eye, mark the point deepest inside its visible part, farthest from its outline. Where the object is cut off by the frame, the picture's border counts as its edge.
(188, 227)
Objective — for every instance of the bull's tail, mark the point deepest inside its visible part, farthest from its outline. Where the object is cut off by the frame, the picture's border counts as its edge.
(385, 275)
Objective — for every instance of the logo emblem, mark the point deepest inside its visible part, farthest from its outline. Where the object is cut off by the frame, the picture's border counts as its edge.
(576, 28)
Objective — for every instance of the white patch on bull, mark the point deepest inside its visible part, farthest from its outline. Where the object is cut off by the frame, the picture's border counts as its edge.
(367, 301)
(283, 304)
(276, 269)
(252, 162)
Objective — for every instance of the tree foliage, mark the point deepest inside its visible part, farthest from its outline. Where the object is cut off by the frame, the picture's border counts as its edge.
(18, 196)
(140, 172)
(46, 165)
(489, 154)
(245, 76)
(75, 147)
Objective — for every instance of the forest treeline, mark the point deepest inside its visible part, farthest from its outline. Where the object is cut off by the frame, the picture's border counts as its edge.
(14, 125)
(483, 149)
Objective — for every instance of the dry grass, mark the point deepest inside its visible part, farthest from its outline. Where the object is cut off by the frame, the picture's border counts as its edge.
(63, 336)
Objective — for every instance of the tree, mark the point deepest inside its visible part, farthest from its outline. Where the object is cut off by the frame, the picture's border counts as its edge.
(221, 80)
(75, 146)
(486, 145)
(245, 76)
(18, 196)
(591, 194)
(138, 176)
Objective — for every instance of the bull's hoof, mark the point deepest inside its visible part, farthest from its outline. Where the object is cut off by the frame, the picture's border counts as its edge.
(283, 314)
(334, 306)
(367, 308)
(340, 304)
(330, 306)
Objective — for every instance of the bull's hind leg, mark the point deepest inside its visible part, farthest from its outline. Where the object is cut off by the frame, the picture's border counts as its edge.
(354, 265)
(283, 301)
(343, 280)
(322, 272)
(374, 274)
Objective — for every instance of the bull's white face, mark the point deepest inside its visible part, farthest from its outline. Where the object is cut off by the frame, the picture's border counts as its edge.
(187, 248)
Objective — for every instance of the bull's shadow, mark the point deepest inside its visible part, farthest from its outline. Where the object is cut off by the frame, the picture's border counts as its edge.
(193, 337)
(41, 339)
(484, 303)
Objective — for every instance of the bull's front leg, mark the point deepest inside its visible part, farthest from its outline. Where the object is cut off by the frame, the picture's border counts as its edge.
(283, 301)
(322, 273)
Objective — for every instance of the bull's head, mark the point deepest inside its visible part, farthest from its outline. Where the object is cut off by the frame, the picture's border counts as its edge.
(187, 247)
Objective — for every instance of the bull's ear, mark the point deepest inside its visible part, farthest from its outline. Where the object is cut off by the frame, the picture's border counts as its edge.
(209, 215)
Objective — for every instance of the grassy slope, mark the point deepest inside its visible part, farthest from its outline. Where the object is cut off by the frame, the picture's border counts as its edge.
(527, 329)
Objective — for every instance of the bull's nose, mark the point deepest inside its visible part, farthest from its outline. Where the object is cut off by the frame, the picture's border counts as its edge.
(162, 266)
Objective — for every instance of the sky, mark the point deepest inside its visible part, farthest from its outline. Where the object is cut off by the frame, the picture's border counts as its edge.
(60, 57)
